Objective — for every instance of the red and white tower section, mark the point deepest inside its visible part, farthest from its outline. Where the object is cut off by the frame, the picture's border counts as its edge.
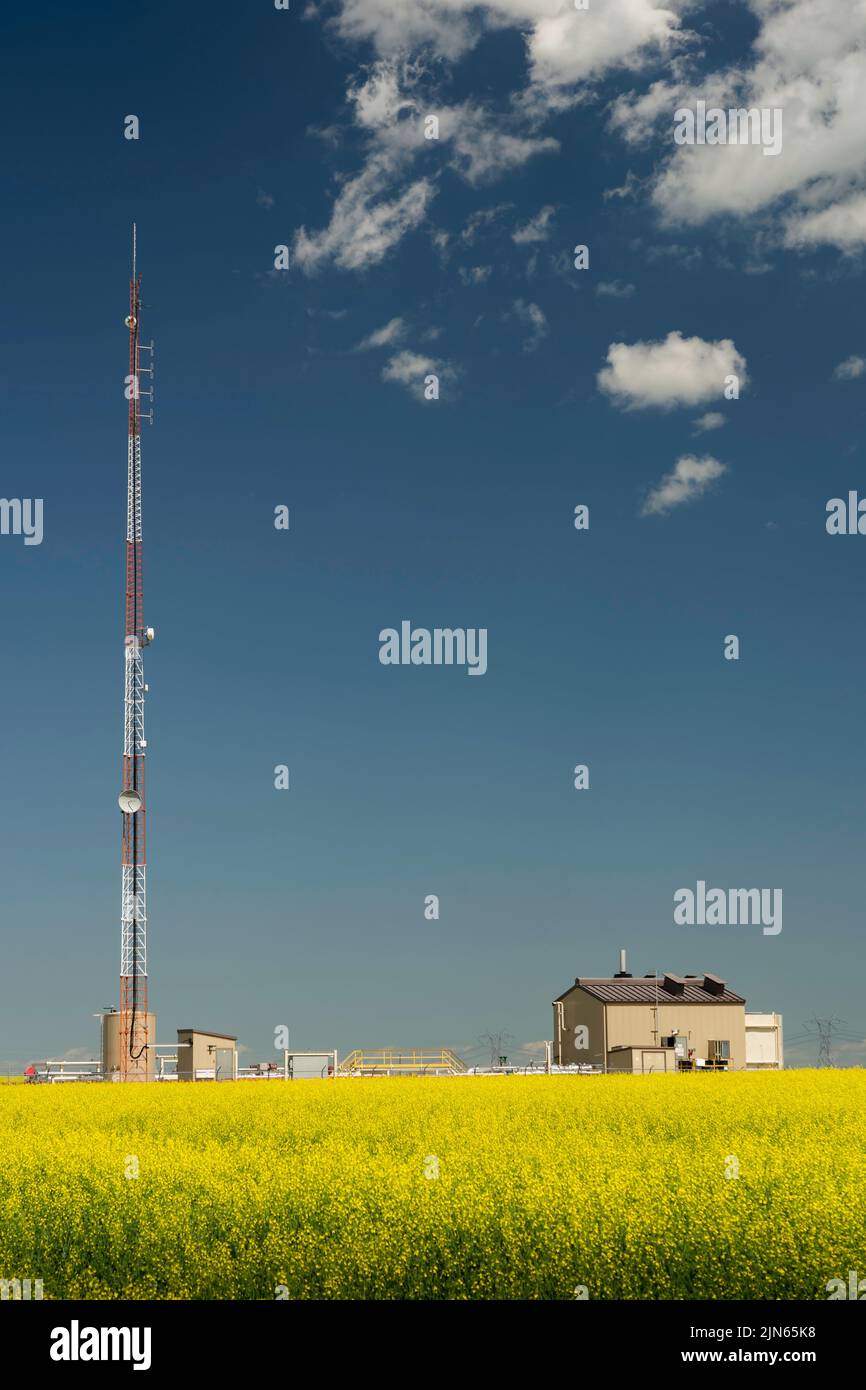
(135, 1045)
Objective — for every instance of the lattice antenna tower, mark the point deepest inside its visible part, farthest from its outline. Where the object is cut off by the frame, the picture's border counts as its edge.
(134, 1041)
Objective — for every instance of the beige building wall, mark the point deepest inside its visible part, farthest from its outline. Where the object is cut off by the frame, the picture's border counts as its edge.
(199, 1056)
(634, 1025)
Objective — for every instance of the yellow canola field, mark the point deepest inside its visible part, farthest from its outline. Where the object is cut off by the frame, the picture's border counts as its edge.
(668, 1187)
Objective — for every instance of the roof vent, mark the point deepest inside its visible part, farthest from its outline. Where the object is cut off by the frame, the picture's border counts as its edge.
(622, 973)
(713, 985)
(674, 984)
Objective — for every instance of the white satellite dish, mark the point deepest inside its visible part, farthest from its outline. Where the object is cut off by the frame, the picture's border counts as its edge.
(129, 801)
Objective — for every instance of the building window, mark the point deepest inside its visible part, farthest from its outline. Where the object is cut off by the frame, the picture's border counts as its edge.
(719, 1050)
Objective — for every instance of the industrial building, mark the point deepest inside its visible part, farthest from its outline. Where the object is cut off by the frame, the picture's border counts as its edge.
(659, 1023)
(205, 1056)
(197, 1056)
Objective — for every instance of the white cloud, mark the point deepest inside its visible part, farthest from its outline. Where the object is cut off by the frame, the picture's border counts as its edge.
(265, 200)
(380, 100)
(414, 40)
(389, 333)
(842, 225)
(396, 95)
(475, 274)
(675, 371)
(565, 50)
(809, 60)
(850, 369)
(440, 239)
(614, 289)
(537, 228)
(688, 480)
(367, 221)
(409, 369)
(629, 189)
(446, 27)
(635, 119)
(535, 320)
(376, 207)
(564, 47)
(713, 420)
(484, 146)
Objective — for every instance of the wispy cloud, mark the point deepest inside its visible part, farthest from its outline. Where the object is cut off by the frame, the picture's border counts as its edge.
(534, 318)
(474, 274)
(629, 189)
(713, 420)
(481, 220)
(538, 228)
(614, 289)
(383, 202)
(368, 220)
(410, 369)
(389, 333)
(689, 479)
(850, 369)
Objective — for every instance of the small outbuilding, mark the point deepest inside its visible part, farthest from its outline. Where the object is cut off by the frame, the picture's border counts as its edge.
(203, 1056)
(639, 1061)
(764, 1049)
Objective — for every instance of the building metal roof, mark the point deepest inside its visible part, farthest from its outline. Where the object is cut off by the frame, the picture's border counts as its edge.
(203, 1033)
(648, 991)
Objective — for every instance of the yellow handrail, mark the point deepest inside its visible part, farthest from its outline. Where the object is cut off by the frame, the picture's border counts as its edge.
(401, 1062)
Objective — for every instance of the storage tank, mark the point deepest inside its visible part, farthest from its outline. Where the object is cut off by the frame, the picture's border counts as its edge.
(141, 1070)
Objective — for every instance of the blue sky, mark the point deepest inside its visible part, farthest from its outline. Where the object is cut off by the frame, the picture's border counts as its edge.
(305, 128)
